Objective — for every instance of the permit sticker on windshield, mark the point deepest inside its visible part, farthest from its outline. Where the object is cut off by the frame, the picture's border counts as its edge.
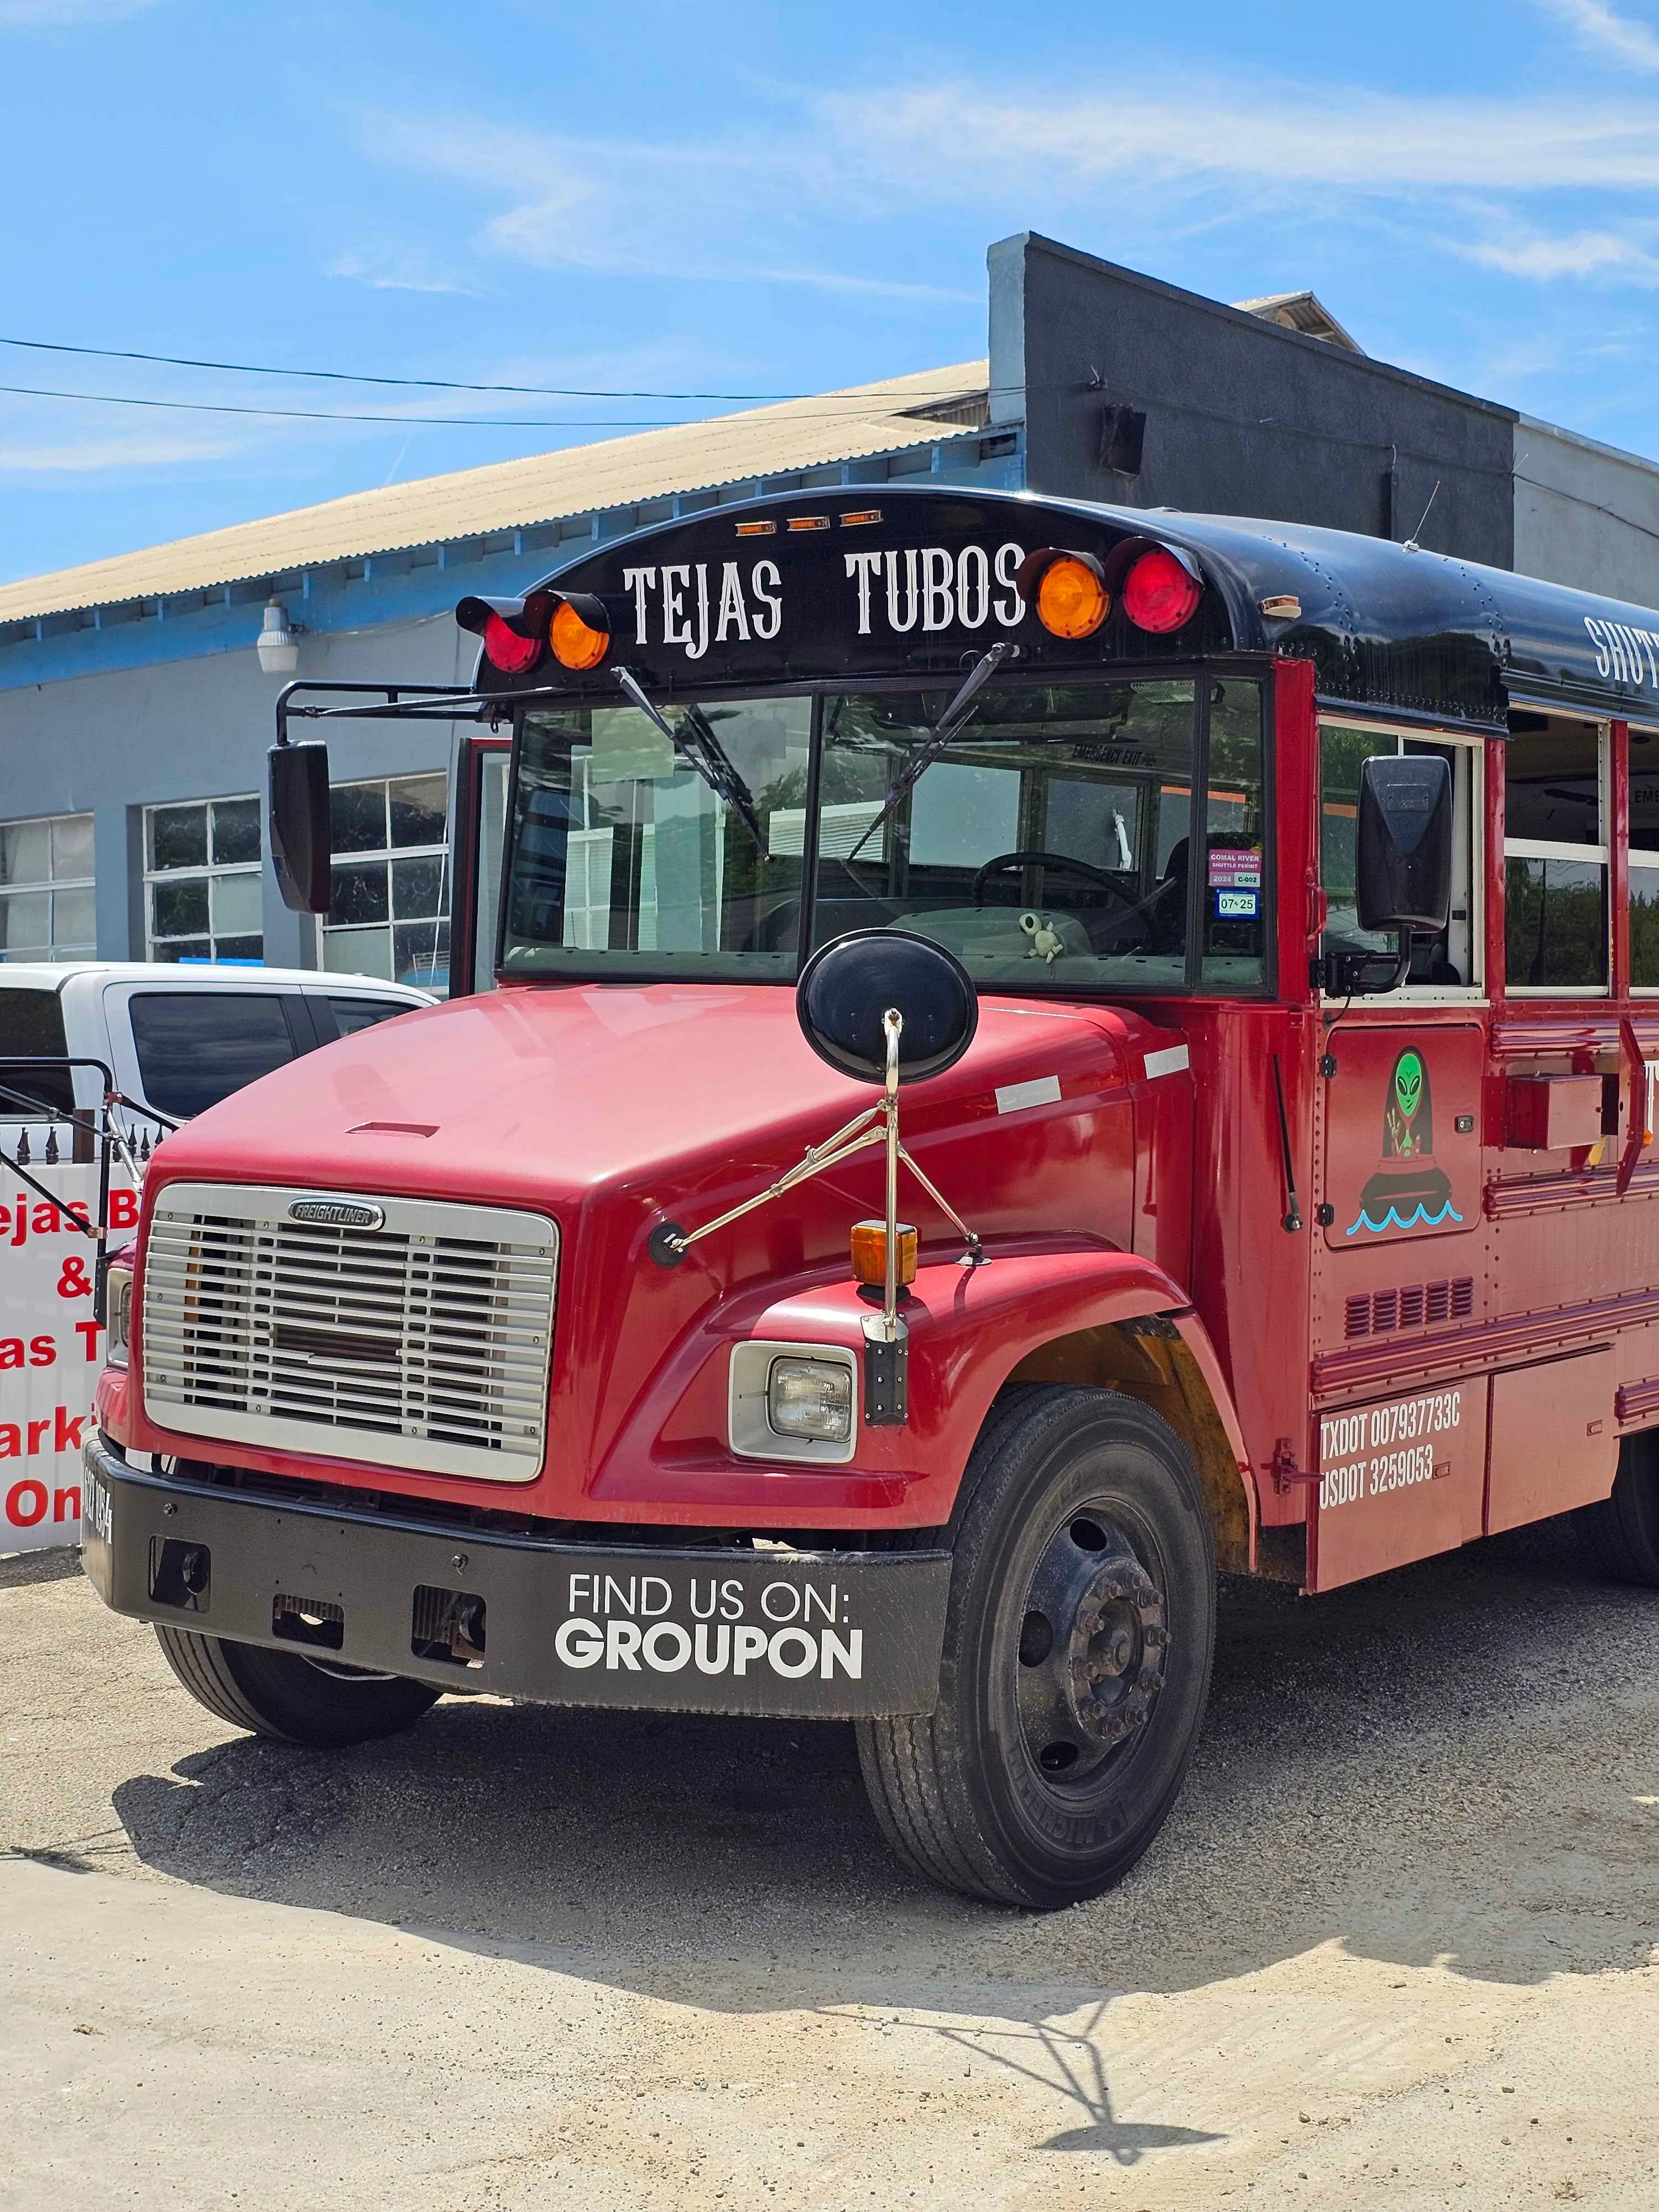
(1235, 868)
(1236, 905)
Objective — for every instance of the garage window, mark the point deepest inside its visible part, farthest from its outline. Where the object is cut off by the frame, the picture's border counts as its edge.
(203, 894)
(46, 889)
(389, 916)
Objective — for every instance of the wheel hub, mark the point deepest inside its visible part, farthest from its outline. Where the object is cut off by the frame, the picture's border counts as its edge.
(1094, 1643)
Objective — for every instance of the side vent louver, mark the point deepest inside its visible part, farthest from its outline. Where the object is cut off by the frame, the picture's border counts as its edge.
(1418, 1306)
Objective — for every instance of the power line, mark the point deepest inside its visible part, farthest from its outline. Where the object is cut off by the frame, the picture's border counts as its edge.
(401, 383)
(324, 415)
(859, 406)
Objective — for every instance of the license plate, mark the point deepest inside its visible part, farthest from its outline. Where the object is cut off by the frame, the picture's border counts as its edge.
(97, 1529)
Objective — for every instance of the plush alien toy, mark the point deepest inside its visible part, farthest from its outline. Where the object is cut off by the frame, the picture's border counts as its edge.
(1047, 944)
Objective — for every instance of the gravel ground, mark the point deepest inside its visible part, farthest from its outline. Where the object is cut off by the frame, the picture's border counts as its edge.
(1398, 1947)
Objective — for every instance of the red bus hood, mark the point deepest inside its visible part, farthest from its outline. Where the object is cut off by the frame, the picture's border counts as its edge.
(541, 1097)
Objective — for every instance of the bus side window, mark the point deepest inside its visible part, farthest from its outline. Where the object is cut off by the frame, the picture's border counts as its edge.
(1450, 960)
(1555, 855)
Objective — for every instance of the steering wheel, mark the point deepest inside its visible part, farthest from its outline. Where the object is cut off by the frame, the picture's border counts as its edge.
(1098, 877)
(1135, 908)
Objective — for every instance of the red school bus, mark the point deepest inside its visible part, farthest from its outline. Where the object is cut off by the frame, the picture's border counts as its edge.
(1246, 939)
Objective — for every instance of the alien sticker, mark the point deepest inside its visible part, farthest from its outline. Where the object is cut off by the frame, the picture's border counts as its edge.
(1408, 1188)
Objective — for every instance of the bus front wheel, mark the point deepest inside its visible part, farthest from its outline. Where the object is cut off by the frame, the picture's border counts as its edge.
(286, 1695)
(1077, 1657)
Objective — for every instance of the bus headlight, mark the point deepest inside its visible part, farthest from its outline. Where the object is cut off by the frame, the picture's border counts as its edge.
(811, 1398)
(117, 1309)
(794, 1401)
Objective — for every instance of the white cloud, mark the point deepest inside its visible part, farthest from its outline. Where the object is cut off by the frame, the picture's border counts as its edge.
(1577, 254)
(396, 272)
(738, 209)
(66, 14)
(695, 211)
(1277, 141)
(1616, 36)
(96, 455)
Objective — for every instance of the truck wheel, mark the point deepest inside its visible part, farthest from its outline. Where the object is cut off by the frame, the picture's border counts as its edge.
(1077, 1657)
(282, 1694)
(1622, 1532)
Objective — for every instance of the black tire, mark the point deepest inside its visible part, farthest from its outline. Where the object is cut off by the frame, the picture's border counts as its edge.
(971, 1795)
(1621, 1532)
(286, 1695)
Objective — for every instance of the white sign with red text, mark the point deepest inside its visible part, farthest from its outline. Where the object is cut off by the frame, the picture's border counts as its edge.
(51, 1348)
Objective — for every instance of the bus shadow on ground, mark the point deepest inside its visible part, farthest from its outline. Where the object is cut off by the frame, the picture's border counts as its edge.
(1445, 1766)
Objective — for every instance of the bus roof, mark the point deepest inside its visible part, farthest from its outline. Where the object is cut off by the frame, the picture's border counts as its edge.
(829, 585)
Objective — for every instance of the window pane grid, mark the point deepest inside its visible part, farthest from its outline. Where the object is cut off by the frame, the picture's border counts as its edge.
(387, 917)
(46, 909)
(204, 896)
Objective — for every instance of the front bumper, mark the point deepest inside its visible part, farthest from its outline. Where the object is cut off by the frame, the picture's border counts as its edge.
(824, 1634)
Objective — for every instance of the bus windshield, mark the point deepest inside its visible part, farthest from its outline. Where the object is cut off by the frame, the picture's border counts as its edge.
(1050, 844)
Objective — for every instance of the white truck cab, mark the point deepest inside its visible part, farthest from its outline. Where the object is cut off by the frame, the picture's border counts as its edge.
(178, 1038)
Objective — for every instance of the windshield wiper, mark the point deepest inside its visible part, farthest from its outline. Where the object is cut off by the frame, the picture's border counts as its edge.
(705, 753)
(948, 725)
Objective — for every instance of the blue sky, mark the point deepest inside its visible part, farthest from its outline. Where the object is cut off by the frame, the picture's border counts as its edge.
(740, 198)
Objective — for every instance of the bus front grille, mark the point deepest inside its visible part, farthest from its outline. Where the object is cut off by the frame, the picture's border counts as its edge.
(423, 1343)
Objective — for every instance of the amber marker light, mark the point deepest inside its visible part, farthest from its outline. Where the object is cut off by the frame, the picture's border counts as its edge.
(1071, 601)
(860, 517)
(1160, 593)
(870, 1252)
(758, 529)
(809, 522)
(576, 643)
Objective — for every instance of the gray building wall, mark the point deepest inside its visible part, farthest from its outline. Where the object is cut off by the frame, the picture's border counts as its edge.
(1585, 514)
(1242, 416)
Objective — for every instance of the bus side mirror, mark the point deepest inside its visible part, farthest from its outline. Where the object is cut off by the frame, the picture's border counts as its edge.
(302, 840)
(847, 986)
(1403, 857)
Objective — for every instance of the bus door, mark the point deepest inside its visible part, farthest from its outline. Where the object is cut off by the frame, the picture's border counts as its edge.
(481, 777)
(1570, 1204)
(1401, 1246)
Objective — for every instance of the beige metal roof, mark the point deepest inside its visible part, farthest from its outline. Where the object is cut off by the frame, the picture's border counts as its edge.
(649, 465)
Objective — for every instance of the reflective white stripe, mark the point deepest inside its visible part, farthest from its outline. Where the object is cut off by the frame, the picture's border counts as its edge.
(1170, 1062)
(1042, 1091)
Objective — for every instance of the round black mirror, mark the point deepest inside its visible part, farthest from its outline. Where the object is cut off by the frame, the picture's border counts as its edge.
(848, 985)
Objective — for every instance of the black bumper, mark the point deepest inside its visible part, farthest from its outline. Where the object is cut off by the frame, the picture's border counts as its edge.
(818, 1633)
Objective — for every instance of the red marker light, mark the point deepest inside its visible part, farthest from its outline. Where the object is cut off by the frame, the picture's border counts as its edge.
(1160, 594)
(505, 649)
